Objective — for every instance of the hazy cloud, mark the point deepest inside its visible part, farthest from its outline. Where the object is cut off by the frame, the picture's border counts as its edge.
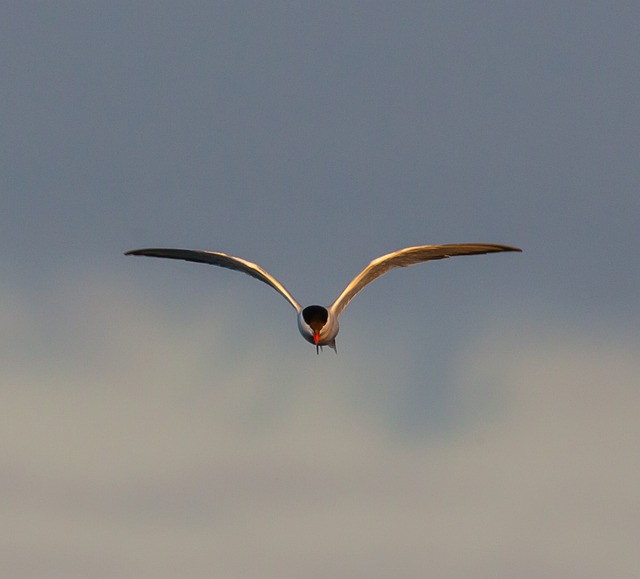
(153, 450)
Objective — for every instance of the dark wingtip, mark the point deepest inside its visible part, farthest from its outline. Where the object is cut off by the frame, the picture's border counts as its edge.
(506, 248)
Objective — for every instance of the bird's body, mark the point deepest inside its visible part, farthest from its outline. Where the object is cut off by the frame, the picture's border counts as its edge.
(319, 324)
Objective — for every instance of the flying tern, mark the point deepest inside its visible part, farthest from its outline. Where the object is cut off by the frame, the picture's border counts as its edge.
(319, 324)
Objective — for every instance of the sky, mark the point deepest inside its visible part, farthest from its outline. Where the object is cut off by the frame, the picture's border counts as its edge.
(164, 419)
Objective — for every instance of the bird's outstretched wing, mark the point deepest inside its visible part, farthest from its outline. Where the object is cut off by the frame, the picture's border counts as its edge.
(222, 260)
(406, 257)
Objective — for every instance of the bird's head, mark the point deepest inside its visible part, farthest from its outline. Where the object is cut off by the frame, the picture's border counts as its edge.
(318, 326)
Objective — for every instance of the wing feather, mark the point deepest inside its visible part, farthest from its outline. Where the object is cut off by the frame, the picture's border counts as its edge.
(406, 257)
(221, 260)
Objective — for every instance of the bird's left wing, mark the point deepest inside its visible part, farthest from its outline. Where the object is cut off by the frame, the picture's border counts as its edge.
(222, 260)
(406, 257)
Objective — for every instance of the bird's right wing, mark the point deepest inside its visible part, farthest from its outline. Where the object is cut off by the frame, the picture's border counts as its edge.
(222, 260)
(406, 257)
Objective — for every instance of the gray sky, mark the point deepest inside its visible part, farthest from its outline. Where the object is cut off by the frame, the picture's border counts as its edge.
(165, 419)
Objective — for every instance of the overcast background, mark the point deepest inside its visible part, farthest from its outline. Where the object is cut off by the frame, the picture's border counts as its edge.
(164, 419)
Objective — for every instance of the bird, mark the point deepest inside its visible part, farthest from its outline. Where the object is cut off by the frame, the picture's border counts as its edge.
(317, 324)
